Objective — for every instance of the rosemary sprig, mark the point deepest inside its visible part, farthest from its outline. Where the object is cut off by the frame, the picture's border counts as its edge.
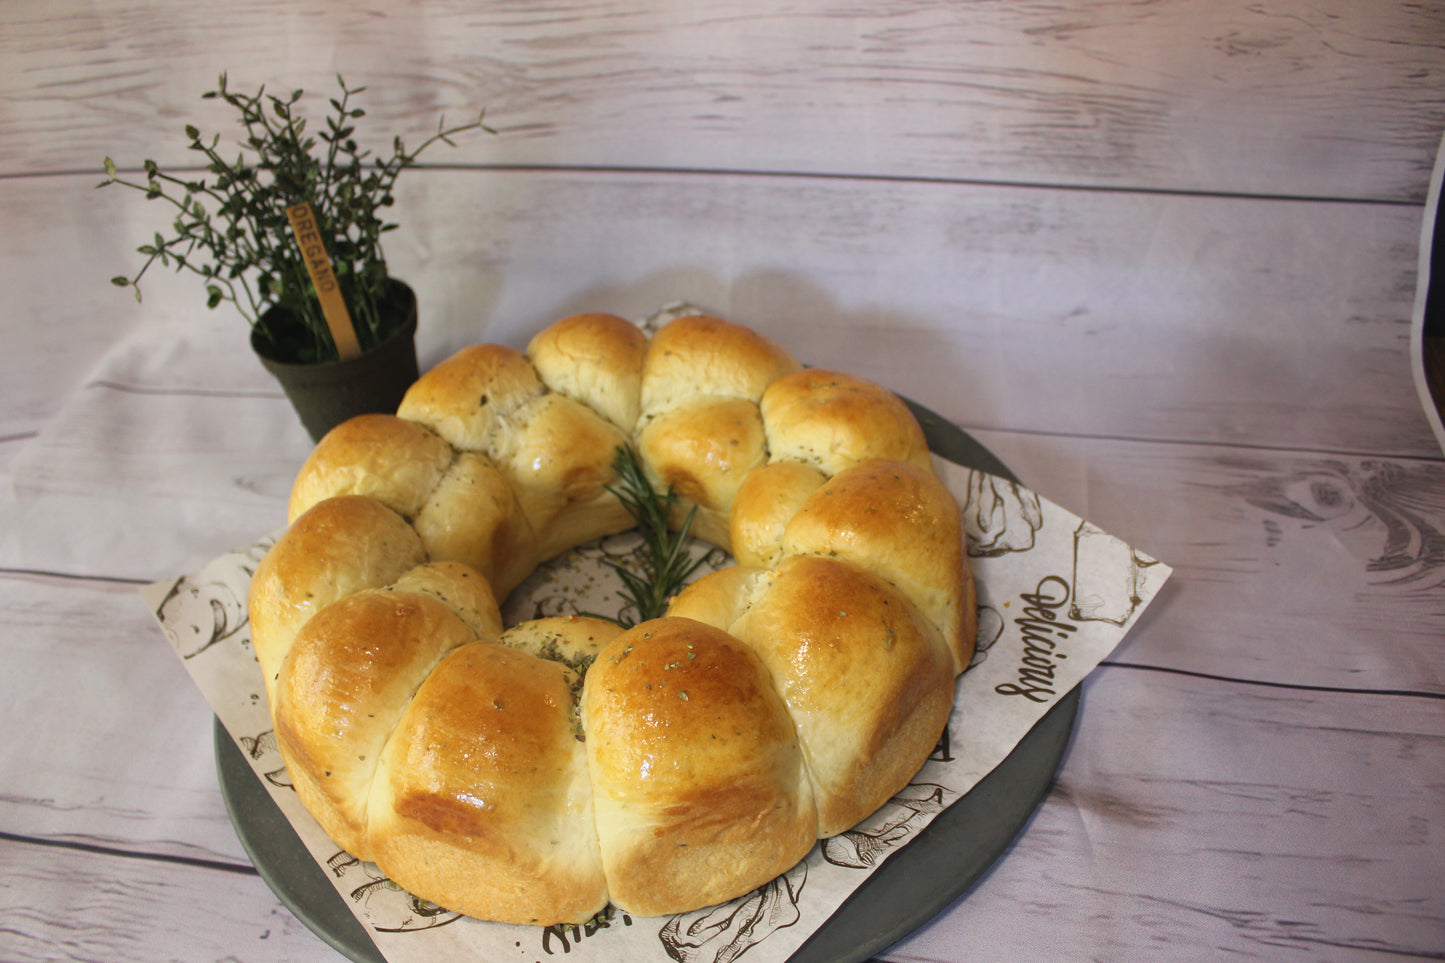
(663, 565)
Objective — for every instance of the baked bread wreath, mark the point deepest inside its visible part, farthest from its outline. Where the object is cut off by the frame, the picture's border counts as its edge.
(535, 773)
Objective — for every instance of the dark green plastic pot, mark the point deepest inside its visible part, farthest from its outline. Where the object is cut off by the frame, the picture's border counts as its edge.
(327, 393)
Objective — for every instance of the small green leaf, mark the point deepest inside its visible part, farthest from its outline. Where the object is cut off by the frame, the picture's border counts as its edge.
(120, 282)
(246, 247)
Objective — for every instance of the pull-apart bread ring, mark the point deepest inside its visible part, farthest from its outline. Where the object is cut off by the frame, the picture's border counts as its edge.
(535, 773)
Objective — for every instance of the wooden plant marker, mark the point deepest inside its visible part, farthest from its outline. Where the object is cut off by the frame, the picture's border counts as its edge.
(328, 292)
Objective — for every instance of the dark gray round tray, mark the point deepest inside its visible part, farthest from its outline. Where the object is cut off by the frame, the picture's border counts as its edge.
(908, 890)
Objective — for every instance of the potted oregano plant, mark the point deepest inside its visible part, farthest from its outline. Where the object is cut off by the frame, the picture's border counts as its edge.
(289, 231)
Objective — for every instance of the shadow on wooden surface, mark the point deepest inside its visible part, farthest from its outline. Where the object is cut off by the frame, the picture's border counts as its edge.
(1435, 371)
(1432, 329)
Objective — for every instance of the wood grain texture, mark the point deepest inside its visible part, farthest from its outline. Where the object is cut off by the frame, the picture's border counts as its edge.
(83, 654)
(57, 235)
(1158, 256)
(1334, 99)
(61, 904)
(1290, 567)
(1097, 313)
(1150, 838)
(1255, 846)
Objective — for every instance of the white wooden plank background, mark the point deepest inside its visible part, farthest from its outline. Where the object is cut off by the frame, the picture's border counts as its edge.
(1337, 99)
(1053, 285)
(1160, 257)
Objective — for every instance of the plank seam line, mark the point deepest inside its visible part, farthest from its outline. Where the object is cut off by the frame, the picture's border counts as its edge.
(1036, 432)
(1109, 663)
(1294, 686)
(199, 392)
(1203, 443)
(77, 577)
(768, 173)
(244, 869)
(924, 179)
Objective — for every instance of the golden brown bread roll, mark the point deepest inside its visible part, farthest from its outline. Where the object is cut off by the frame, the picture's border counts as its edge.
(483, 801)
(558, 458)
(342, 546)
(700, 357)
(765, 503)
(397, 462)
(696, 770)
(472, 516)
(898, 521)
(459, 588)
(468, 398)
(345, 682)
(833, 420)
(867, 680)
(703, 452)
(595, 359)
(534, 773)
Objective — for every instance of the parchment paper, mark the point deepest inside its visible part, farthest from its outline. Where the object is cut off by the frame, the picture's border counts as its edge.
(1056, 595)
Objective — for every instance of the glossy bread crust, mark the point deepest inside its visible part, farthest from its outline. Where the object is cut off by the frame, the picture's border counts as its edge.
(535, 773)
